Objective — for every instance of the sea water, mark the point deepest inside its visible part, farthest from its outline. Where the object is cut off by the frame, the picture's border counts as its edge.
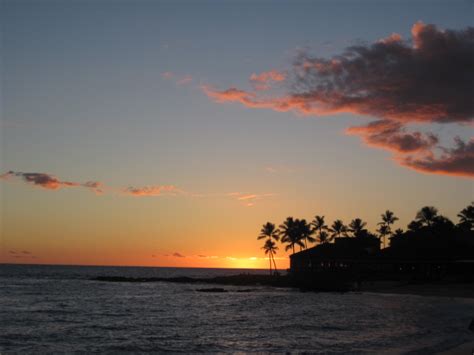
(60, 309)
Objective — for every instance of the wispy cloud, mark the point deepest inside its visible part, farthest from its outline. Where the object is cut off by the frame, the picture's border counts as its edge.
(178, 79)
(187, 79)
(249, 200)
(428, 79)
(50, 182)
(280, 169)
(155, 190)
(265, 80)
(23, 254)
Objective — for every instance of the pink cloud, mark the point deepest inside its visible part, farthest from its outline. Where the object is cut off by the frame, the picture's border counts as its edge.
(264, 80)
(187, 79)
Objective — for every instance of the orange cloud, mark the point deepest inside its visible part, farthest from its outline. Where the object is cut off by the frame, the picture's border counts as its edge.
(264, 80)
(156, 190)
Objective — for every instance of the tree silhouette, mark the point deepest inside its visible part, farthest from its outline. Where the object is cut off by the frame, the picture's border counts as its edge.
(323, 237)
(466, 217)
(337, 229)
(427, 216)
(398, 232)
(388, 218)
(414, 226)
(357, 227)
(270, 249)
(270, 232)
(320, 227)
(383, 230)
(305, 231)
(290, 233)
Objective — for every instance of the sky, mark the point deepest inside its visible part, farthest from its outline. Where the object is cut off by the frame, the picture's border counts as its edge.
(166, 133)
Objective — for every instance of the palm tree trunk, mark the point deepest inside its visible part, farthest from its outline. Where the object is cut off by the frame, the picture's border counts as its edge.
(274, 264)
(270, 260)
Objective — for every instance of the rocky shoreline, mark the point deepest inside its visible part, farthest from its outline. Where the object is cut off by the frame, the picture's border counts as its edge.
(436, 289)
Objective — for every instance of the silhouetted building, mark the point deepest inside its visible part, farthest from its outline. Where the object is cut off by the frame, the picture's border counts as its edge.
(409, 258)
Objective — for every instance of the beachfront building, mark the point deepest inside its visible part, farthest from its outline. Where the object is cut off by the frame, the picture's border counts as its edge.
(409, 258)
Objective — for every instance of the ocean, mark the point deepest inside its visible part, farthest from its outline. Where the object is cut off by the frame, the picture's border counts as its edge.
(59, 309)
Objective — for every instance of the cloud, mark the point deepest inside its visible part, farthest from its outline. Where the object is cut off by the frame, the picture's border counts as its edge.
(24, 254)
(156, 190)
(393, 136)
(179, 80)
(50, 182)
(428, 79)
(264, 80)
(178, 255)
(458, 161)
(275, 169)
(187, 79)
(248, 200)
(167, 75)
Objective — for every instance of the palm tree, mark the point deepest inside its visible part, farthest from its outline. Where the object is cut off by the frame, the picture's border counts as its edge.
(427, 216)
(306, 232)
(383, 230)
(269, 231)
(323, 237)
(357, 227)
(466, 217)
(337, 229)
(320, 227)
(270, 249)
(290, 233)
(388, 218)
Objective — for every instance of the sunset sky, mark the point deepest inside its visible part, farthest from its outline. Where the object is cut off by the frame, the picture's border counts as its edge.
(165, 133)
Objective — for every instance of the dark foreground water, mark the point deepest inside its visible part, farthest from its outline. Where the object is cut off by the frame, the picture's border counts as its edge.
(58, 309)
